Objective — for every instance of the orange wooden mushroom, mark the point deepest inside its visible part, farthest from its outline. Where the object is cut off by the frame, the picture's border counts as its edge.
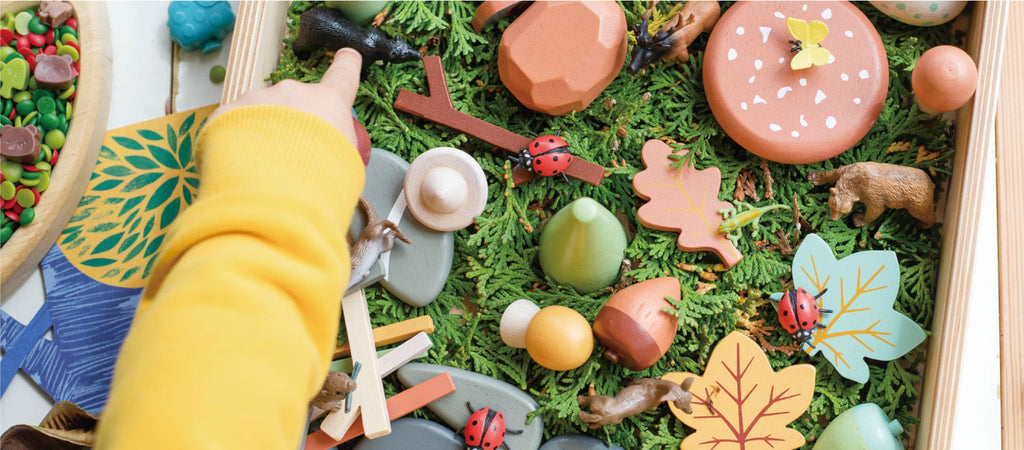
(944, 78)
(635, 327)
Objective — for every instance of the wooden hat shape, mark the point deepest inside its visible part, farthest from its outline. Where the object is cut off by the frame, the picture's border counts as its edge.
(794, 116)
(445, 189)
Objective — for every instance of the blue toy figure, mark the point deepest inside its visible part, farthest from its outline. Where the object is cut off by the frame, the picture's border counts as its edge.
(200, 24)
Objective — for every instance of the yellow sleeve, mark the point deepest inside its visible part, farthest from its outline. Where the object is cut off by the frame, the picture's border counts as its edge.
(239, 318)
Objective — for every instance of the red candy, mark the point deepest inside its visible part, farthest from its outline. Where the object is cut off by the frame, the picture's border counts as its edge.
(50, 50)
(36, 193)
(11, 215)
(53, 159)
(22, 41)
(29, 56)
(73, 45)
(29, 168)
(6, 37)
(37, 40)
(49, 36)
(72, 22)
(17, 209)
(14, 112)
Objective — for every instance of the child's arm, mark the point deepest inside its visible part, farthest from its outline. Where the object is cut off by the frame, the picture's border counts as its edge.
(239, 318)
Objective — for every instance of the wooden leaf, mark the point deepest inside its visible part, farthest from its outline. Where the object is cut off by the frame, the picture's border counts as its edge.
(683, 200)
(740, 403)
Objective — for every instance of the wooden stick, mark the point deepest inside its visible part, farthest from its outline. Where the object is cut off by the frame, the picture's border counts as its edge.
(404, 353)
(389, 334)
(438, 108)
(399, 405)
(1010, 197)
(975, 123)
(368, 399)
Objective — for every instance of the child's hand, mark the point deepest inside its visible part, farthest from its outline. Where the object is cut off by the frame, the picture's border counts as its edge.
(331, 98)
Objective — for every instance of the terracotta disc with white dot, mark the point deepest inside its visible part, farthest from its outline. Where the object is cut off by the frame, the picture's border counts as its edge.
(794, 116)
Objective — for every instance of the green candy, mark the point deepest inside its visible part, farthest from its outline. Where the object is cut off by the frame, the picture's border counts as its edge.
(8, 106)
(45, 153)
(54, 139)
(14, 76)
(26, 198)
(25, 107)
(39, 94)
(67, 92)
(66, 29)
(37, 26)
(7, 21)
(5, 121)
(21, 96)
(31, 182)
(49, 121)
(44, 181)
(68, 37)
(7, 190)
(43, 166)
(68, 50)
(11, 170)
(217, 74)
(27, 176)
(68, 109)
(21, 22)
(29, 118)
(27, 215)
(6, 233)
(46, 105)
(7, 51)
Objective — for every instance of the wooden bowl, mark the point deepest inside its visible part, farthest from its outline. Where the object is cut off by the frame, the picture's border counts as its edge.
(88, 123)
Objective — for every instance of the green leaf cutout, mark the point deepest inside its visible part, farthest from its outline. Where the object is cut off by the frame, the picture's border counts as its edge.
(117, 171)
(170, 212)
(98, 262)
(185, 152)
(141, 162)
(162, 193)
(151, 135)
(186, 125)
(141, 181)
(107, 243)
(172, 139)
(107, 185)
(128, 143)
(165, 157)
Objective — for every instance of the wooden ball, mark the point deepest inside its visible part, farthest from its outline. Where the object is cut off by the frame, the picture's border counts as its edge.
(944, 78)
(635, 327)
(515, 320)
(559, 338)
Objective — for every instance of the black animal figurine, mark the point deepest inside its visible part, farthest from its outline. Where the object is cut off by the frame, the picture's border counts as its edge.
(671, 40)
(324, 27)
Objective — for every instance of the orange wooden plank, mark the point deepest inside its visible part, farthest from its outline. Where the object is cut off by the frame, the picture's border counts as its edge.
(389, 334)
(399, 405)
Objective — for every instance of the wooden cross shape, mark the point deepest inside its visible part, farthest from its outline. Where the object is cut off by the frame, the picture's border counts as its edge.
(438, 108)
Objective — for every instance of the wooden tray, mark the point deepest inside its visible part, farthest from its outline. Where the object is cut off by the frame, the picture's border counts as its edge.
(260, 28)
(22, 253)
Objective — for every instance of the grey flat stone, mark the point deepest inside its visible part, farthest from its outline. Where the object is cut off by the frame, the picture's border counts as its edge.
(577, 442)
(482, 391)
(412, 433)
(416, 272)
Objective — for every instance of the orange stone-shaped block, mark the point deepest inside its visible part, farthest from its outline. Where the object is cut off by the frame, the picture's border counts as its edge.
(558, 56)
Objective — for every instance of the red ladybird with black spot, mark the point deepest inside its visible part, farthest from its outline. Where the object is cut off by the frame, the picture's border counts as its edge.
(485, 429)
(799, 313)
(546, 156)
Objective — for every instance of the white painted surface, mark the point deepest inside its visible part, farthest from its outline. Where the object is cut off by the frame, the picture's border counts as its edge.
(142, 85)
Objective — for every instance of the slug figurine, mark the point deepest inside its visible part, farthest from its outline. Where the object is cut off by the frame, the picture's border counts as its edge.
(878, 186)
(641, 395)
(328, 28)
(376, 238)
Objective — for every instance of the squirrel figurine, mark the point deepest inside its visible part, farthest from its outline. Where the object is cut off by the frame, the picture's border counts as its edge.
(644, 394)
(376, 238)
(879, 186)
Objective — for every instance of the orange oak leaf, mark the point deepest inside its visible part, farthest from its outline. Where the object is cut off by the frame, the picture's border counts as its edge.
(683, 200)
(741, 403)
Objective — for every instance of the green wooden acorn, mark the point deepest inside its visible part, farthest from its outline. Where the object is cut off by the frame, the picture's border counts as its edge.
(863, 427)
(582, 245)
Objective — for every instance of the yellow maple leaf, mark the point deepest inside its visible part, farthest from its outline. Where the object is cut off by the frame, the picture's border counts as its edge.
(741, 403)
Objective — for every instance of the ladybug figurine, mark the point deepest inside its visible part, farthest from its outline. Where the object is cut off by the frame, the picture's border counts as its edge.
(485, 429)
(799, 313)
(546, 156)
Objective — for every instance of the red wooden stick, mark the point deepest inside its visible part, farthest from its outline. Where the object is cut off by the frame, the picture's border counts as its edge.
(438, 108)
(399, 405)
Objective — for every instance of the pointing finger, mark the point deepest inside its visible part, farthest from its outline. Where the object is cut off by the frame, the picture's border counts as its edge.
(343, 74)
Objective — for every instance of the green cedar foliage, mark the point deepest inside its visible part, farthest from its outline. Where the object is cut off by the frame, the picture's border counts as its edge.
(495, 261)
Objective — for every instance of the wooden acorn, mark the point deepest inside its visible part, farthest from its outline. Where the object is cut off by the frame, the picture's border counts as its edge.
(944, 79)
(862, 427)
(582, 245)
(324, 27)
(635, 327)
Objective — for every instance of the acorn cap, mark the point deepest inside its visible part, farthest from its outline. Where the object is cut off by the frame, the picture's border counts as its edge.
(445, 189)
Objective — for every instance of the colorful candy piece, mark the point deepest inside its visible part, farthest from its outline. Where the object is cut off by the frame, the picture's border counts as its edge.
(635, 327)
(55, 13)
(14, 76)
(582, 245)
(944, 79)
(20, 143)
(921, 14)
(480, 390)
(200, 25)
(863, 427)
(795, 116)
(559, 338)
(55, 72)
(558, 56)
(878, 186)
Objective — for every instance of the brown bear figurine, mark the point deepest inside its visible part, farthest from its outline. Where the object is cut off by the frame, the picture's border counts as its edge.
(879, 186)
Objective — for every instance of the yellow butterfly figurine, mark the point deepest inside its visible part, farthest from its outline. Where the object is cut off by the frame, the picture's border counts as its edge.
(806, 43)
